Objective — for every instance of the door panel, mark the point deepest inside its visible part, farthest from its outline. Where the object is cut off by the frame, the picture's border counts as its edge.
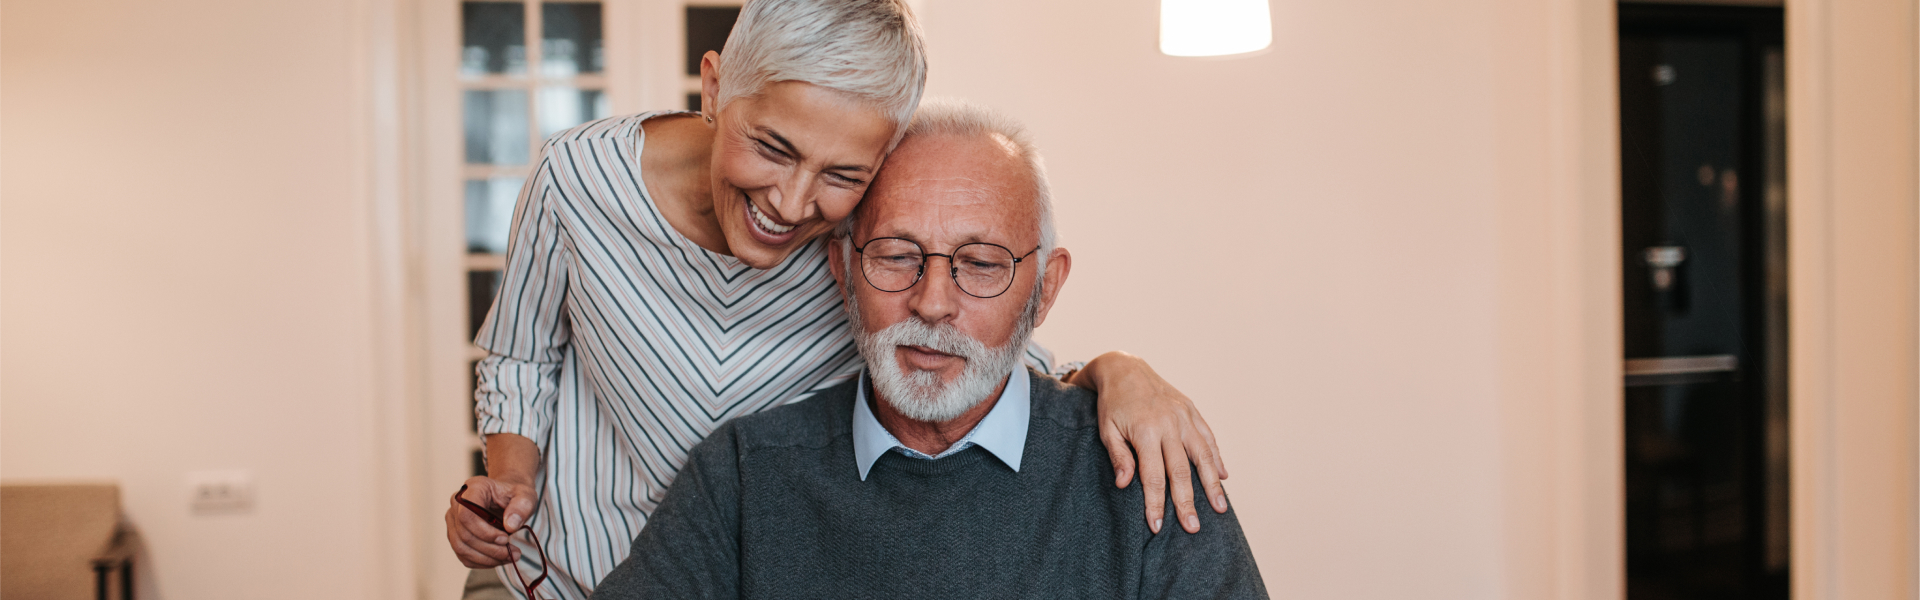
(1703, 519)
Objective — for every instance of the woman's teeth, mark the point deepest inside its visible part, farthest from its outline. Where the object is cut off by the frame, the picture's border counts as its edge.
(766, 223)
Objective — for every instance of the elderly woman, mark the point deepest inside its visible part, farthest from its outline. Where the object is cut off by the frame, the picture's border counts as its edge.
(666, 273)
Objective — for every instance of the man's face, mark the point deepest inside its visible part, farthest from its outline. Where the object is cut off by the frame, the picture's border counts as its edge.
(940, 192)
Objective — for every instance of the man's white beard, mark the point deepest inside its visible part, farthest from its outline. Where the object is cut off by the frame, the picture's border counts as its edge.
(921, 395)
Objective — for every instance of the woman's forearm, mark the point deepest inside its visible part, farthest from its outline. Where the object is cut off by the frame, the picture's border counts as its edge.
(1101, 369)
(512, 458)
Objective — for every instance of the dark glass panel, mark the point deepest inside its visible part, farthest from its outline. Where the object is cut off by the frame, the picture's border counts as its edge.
(493, 38)
(570, 39)
(707, 29)
(473, 384)
(1689, 535)
(481, 287)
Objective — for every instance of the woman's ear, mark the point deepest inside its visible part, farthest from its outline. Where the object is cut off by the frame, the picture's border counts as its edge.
(710, 84)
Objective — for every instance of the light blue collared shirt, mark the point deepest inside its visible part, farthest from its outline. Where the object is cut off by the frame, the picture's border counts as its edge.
(1003, 432)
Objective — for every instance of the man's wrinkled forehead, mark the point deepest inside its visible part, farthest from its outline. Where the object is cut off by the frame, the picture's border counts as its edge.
(952, 177)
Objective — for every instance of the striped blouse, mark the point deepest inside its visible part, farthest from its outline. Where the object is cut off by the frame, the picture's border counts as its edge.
(616, 344)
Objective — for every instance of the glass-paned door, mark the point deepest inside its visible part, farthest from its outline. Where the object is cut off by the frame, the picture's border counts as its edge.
(707, 28)
(528, 70)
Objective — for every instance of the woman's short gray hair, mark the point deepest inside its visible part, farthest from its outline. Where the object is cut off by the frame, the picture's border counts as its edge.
(869, 48)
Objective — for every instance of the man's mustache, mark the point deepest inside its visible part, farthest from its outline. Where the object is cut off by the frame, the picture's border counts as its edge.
(944, 338)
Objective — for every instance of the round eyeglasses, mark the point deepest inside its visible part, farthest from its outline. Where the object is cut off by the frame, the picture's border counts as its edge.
(980, 269)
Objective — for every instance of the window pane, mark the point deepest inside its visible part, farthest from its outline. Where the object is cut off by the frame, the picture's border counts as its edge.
(570, 39)
(496, 124)
(481, 287)
(494, 38)
(693, 102)
(707, 29)
(563, 107)
(490, 213)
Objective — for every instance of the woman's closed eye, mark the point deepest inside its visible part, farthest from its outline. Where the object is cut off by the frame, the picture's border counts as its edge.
(773, 152)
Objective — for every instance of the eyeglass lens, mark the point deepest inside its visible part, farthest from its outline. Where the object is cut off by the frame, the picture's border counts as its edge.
(980, 269)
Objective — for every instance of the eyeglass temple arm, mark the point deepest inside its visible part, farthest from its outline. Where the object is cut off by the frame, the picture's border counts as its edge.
(492, 519)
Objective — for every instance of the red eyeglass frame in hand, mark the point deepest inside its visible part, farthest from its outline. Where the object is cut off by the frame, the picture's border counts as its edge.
(494, 520)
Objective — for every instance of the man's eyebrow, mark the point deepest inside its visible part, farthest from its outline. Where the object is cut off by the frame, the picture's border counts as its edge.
(971, 238)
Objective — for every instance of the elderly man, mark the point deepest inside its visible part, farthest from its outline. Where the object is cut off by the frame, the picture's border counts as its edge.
(948, 469)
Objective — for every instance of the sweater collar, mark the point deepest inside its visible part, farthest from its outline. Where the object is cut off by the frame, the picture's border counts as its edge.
(1003, 432)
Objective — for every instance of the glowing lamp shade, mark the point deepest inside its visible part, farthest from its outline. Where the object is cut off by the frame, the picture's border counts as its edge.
(1214, 27)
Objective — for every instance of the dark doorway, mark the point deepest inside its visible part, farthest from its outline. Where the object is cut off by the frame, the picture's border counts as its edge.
(1702, 213)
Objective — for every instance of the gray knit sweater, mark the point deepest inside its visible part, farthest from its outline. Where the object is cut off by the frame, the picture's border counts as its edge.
(772, 506)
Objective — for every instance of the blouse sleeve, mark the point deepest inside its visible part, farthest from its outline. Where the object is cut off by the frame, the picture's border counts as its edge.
(526, 333)
(1038, 357)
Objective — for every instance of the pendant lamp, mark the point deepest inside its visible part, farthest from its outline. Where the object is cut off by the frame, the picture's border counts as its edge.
(1214, 27)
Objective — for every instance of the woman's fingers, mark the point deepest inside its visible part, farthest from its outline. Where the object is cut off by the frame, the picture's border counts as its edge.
(474, 539)
(1204, 460)
(1119, 453)
(1212, 455)
(513, 501)
(1153, 481)
(472, 558)
(476, 543)
(518, 508)
(1206, 457)
(1180, 475)
(484, 538)
(478, 527)
(460, 549)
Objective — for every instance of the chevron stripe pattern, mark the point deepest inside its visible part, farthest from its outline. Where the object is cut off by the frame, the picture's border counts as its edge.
(617, 344)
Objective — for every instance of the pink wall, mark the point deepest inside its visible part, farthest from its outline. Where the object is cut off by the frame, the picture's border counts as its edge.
(186, 264)
(1326, 245)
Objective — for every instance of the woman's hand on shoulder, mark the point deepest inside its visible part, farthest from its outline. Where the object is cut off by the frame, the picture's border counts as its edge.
(1141, 414)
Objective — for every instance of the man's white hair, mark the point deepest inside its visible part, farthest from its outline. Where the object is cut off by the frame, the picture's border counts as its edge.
(869, 48)
(959, 118)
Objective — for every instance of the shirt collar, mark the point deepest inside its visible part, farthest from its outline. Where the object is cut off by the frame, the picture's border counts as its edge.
(1003, 432)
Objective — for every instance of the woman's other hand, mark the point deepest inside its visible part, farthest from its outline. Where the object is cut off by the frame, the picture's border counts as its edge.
(479, 544)
(511, 463)
(1141, 412)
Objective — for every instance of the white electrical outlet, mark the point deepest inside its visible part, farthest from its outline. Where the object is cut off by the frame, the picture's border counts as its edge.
(220, 492)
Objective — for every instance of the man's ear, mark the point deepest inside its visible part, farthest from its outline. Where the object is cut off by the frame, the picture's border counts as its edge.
(1059, 263)
(710, 83)
(836, 259)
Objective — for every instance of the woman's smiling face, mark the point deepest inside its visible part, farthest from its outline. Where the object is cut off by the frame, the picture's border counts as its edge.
(789, 164)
